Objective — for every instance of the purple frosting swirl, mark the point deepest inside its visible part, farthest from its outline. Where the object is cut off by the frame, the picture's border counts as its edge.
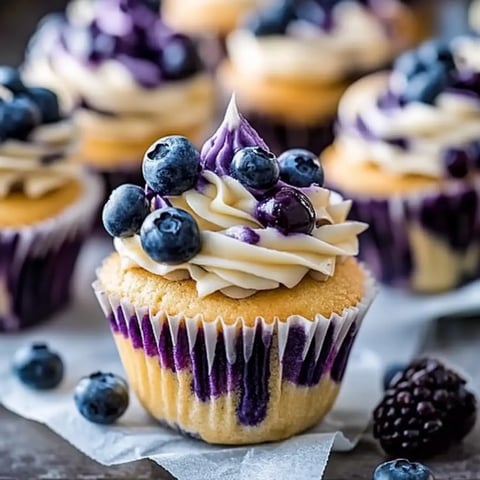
(233, 134)
(128, 31)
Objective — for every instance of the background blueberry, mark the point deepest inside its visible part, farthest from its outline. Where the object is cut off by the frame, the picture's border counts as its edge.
(288, 210)
(409, 64)
(300, 168)
(273, 20)
(38, 367)
(125, 211)
(390, 373)
(402, 470)
(255, 168)
(426, 86)
(171, 165)
(459, 161)
(435, 51)
(18, 118)
(170, 235)
(179, 58)
(47, 103)
(10, 78)
(102, 397)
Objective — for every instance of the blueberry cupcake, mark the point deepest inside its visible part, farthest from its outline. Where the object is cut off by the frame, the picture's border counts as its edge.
(233, 295)
(47, 204)
(408, 153)
(131, 78)
(290, 63)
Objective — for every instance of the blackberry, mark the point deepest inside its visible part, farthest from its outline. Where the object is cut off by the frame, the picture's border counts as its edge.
(426, 410)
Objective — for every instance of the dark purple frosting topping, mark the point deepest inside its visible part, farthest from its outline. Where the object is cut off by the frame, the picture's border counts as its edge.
(128, 31)
(233, 134)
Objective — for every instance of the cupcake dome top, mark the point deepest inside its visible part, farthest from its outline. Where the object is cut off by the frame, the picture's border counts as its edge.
(232, 217)
(321, 41)
(421, 119)
(37, 141)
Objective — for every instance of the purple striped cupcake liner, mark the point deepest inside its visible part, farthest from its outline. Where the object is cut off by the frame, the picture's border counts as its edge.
(37, 262)
(242, 363)
(281, 136)
(426, 242)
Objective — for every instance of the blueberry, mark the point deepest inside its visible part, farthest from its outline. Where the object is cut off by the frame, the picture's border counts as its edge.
(38, 367)
(458, 161)
(402, 470)
(125, 211)
(10, 78)
(390, 373)
(18, 118)
(435, 51)
(102, 397)
(255, 168)
(274, 20)
(171, 165)
(300, 168)
(288, 210)
(47, 103)
(409, 64)
(179, 58)
(170, 235)
(426, 86)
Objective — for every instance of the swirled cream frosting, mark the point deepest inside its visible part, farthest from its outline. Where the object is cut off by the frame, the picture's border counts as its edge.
(318, 42)
(239, 256)
(423, 118)
(126, 71)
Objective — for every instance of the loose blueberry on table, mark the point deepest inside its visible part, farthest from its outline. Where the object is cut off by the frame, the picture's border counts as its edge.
(426, 410)
(38, 367)
(102, 397)
(402, 470)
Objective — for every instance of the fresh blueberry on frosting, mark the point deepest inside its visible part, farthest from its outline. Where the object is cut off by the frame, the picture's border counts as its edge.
(170, 235)
(255, 167)
(171, 165)
(125, 211)
(18, 117)
(10, 79)
(47, 103)
(288, 210)
(300, 168)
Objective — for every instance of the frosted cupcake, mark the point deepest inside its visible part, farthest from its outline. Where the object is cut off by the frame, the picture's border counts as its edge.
(407, 152)
(233, 296)
(132, 79)
(290, 64)
(46, 204)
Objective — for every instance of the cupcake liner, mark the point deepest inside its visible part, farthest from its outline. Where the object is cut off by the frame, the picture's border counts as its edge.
(428, 242)
(239, 373)
(37, 262)
(282, 136)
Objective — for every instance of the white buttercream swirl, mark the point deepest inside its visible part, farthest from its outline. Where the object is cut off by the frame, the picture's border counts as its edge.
(428, 131)
(239, 269)
(118, 106)
(41, 163)
(358, 41)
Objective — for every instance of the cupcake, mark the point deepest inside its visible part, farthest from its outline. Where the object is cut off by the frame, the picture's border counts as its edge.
(210, 21)
(131, 78)
(46, 203)
(290, 64)
(233, 295)
(407, 152)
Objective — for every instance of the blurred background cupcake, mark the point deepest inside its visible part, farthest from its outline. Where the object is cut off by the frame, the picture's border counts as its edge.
(291, 62)
(47, 204)
(408, 153)
(233, 295)
(131, 79)
(209, 21)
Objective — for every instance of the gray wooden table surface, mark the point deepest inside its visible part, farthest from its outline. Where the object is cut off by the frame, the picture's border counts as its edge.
(29, 451)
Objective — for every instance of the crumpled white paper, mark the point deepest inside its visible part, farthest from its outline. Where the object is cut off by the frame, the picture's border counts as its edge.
(394, 328)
